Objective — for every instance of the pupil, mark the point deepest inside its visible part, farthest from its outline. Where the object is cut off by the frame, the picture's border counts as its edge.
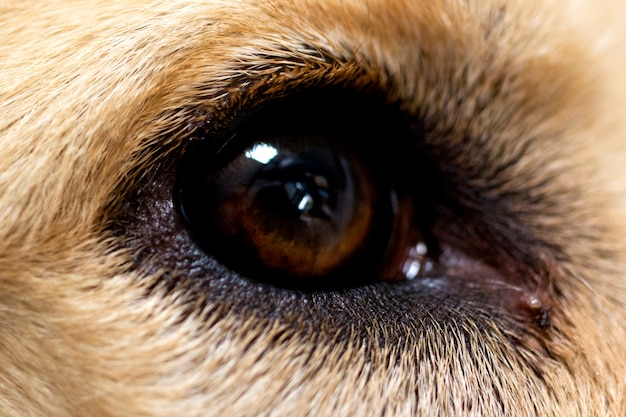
(310, 196)
(300, 183)
(300, 196)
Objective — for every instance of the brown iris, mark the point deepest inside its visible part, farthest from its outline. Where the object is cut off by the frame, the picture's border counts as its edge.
(304, 201)
(289, 207)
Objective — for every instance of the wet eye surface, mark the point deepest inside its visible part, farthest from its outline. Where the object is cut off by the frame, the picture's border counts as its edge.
(305, 203)
(326, 212)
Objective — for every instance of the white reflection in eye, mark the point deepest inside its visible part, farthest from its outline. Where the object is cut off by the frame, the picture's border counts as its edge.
(416, 261)
(262, 153)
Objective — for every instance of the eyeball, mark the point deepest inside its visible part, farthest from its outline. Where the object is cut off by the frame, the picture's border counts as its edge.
(299, 206)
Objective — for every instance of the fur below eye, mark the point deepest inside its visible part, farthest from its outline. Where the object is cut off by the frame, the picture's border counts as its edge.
(299, 208)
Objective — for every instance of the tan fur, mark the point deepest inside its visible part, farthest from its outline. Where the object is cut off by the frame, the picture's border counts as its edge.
(94, 94)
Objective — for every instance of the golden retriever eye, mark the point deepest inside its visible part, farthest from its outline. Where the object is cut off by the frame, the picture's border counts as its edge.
(299, 206)
(302, 203)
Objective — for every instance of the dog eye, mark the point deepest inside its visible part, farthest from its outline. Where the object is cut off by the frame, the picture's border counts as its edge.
(302, 204)
(320, 200)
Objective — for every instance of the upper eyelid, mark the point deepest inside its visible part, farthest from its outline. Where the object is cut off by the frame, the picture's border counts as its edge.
(244, 94)
(249, 88)
(263, 73)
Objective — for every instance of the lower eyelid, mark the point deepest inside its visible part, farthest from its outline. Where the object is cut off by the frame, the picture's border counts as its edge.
(459, 288)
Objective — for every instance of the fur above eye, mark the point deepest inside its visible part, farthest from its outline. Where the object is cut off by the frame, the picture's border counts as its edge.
(301, 204)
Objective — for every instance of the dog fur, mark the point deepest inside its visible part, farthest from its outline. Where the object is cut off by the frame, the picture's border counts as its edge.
(523, 104)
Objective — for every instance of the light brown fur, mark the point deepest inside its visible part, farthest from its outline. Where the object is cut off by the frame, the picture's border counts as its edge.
(94, 95)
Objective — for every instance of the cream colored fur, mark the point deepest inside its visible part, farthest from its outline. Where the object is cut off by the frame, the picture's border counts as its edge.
(93, 93)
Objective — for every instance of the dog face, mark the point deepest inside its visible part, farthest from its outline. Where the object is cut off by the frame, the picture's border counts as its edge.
(310, 208)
